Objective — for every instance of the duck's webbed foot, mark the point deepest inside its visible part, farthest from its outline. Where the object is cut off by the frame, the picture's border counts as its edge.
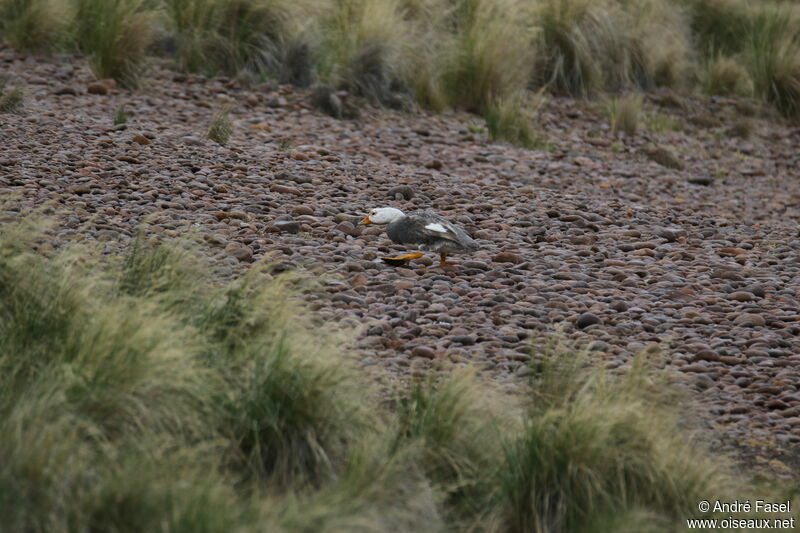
(405, 257)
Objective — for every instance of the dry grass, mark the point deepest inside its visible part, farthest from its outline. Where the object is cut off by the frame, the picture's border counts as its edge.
(493, 55)
(728, 77)
(12, 99)
(31, 24)
(773, 57)
(365, 49)
(115, 35)
(661, 44)
(221, 127)
(120, 115)
(513, 121)
(659, 122)
(230, 36)
(585, 47)
(624, 114)
(439, 54)
(592, 441)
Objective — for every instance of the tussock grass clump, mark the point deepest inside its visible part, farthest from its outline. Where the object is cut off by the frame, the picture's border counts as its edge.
(596, 447)
(493, 57)
(727, 76)
(773, 57)
(12, 99)
(288, 417)
(453, 427)
(295, 410)
(221, 127)
(228, 36)
(718, 25)
(31, 24)
(365, 48)
(440, 54)
(509, 120)
(150, 411)
(624, 113)
(115, 35)
(660, 43)
(585, 47)
(575, 38)
(759, 42)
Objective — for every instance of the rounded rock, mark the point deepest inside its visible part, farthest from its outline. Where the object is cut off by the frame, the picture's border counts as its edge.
(587, 319)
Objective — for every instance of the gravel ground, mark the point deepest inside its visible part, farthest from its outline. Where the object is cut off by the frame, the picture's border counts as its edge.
(682, 242)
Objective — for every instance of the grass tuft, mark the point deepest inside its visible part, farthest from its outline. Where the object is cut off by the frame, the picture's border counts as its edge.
(595, 447)
(727, 77)
(493, 56)
(120, 115)
(221, 127)
(508, 120)
(624, 114)
(773, 58)
(11, 99)
(364, 49)
(452, 426)
(718, 25)
(225, 37)
(660, 122)
(115, 35)
(35, 25)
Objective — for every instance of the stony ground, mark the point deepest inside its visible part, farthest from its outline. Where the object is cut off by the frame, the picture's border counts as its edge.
(682, 239)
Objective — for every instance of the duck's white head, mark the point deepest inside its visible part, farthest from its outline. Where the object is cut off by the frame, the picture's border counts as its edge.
(383, 215)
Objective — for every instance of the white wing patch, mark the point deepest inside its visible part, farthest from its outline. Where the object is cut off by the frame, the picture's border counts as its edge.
(435, 226)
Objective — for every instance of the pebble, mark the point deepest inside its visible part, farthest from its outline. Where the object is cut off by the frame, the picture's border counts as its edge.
(423, 351)
(466, 340)
(507, 257)
(98, 87)
(749, 319)
(286, 226)
(66, 90)
(275, 187)
(587, 319)
(302, 210)
(405, 192)
(241, 253)
(141, 140)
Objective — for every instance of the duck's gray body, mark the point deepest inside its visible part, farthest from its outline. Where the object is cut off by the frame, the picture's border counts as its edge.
(430, 232)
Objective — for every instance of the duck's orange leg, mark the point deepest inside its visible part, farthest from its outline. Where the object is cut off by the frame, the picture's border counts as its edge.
(412, 255)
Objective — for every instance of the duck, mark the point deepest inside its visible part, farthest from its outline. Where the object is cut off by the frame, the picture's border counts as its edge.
(428, 231)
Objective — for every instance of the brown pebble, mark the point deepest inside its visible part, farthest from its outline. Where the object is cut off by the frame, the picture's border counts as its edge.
(141, 139)
(749, 319)
(283, 189)
(423, 351)
(302, 210)
(507, 257)
(242, 253)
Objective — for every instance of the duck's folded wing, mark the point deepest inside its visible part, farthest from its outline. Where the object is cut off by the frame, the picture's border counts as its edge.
(435, 227)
